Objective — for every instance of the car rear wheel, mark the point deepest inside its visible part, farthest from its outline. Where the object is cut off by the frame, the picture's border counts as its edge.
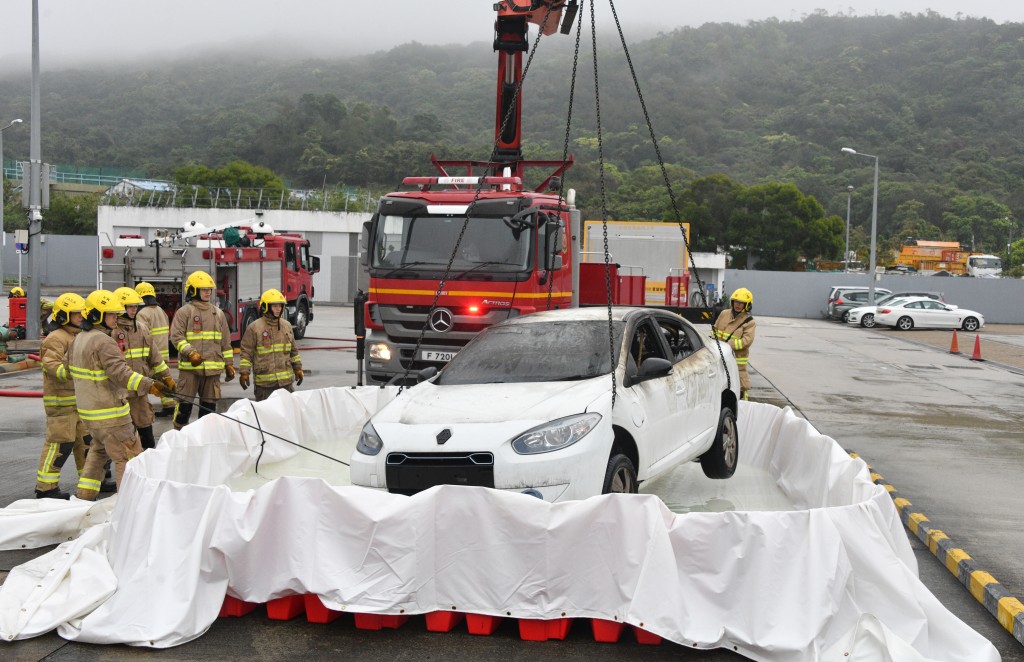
(867, 321)
(846, 316)
(721, 459)
(971, 324)
(904, 323)
(620, 477)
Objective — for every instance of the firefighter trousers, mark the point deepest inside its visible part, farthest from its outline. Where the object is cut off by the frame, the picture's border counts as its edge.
(65, 436)
(261, 393)
(189, 386)
(119, 444)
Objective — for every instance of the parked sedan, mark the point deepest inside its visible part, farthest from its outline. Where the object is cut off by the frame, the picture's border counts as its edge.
(927, 314)
(527, 406)
(865, 315)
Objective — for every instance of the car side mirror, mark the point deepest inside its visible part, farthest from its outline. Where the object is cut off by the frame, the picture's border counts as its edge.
(654, 367)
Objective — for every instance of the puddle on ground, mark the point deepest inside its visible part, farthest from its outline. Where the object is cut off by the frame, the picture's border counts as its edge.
(686, 489)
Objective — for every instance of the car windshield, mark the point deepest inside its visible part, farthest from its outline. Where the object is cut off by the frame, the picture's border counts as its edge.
(535, 352)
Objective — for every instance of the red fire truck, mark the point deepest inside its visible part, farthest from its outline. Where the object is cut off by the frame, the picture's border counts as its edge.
(252, 259)
(517, 247)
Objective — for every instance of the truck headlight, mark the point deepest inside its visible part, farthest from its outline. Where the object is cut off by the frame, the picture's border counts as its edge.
(369, 441)
(555, 435)
(381, 351)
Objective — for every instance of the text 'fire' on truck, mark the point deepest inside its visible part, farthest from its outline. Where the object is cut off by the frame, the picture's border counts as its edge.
(244, 258)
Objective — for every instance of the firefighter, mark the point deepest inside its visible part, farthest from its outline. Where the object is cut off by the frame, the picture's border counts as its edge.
(103, 382)
(16, 293)
(144, 357)
(154, 317)
(736, 327)
(268, 350)
(201, 335)
(65, 433)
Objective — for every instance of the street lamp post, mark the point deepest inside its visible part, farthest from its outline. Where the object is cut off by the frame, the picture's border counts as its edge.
(3, 237)
(874, 222)
(846, 253)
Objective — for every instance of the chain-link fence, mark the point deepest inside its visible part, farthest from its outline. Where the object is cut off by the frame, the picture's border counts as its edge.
(152, 193)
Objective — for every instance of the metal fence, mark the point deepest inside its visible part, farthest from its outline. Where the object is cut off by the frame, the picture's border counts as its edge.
(153, 193)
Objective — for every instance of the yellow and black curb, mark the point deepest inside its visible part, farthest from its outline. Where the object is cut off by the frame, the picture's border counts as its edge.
(1008, 610)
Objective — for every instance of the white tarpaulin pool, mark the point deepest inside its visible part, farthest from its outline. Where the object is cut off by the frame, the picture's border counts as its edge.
(830, 576)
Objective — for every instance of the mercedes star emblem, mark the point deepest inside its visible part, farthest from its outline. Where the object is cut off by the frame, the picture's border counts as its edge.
(441, 320)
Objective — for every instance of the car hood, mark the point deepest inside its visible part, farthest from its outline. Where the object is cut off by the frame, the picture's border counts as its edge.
(428, 403)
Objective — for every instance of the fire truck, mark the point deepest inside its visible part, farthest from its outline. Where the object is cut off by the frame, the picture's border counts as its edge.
(474, 245)
(244, 258)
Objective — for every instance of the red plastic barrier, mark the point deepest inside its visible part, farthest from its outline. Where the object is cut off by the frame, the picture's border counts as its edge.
(632, 291)
(607, 632)
(380, 621)
(235, 607)
(592, 283)
(531, 629)
(645, 637)
(286, 608)
(316, 612)
(676, 288)
(443, 621)
(481, 624)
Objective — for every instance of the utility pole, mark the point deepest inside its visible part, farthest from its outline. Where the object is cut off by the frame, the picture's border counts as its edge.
(35, 215)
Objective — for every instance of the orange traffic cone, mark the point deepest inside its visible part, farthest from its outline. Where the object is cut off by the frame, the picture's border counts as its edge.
(954, 347)
(977, 349)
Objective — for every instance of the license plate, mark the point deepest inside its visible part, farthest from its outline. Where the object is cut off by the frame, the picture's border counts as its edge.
(441, 357)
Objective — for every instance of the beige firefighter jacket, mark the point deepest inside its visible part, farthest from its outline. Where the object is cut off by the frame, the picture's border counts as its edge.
(155, 319)
(200, 326)
(268, 351)
(58, 386)
(738, 331)
(139, 348)
(101, 376)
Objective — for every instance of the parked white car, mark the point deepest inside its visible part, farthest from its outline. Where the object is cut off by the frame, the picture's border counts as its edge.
(865, 315)
(923, 313)
(527, 406)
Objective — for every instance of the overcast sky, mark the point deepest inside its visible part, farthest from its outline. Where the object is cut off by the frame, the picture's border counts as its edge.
(74, 31)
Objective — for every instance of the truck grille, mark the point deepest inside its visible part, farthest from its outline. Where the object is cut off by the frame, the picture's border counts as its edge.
(409, 473)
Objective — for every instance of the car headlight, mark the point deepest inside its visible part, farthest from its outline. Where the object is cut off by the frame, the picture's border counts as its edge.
(555, 435)
(369, 441)
(381, 351)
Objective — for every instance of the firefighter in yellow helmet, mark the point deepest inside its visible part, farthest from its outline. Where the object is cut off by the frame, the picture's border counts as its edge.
(103, 383)
(16, 292)
(736, 326)
(202, 337)
(144, 357)
(268, 350)
(65, 433)
(154, 317)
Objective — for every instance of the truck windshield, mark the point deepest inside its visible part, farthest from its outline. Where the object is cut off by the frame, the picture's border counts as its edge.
(425, 243)
(986, 262)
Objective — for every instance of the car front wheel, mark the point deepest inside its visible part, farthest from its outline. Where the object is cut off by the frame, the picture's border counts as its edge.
(904, 323)
(846, 317)
(867, 321)
(620, 477)
(721, 459)
(971, 324)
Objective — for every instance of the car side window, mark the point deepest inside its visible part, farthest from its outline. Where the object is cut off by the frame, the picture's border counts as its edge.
(915, 305)
(682, 340)
(933, 305)
(643, 345)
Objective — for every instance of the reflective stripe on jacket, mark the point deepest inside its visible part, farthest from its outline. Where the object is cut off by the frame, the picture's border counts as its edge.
(155, 319)
(58, 387)
(201, 327)
(268, 351)
(737, 331)
(101, 375)
(139, 348)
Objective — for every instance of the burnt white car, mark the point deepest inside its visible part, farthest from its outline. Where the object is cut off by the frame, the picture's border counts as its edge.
(923, 313)
(528, 406)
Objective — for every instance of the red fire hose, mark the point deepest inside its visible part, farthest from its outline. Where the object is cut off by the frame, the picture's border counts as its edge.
(20, 394)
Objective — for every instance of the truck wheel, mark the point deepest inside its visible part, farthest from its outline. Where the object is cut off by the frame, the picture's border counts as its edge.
(301, 320)
(721, 459)
(250, 317)
(620, 477)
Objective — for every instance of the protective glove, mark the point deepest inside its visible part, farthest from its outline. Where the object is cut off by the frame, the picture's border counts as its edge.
(229, 370)
(243, 380)
(298, 376)
(158, 389)
(196, 359)
(169, 383)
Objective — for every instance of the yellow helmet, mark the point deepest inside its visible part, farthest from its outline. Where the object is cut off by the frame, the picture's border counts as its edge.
(99, 303)
(269, 297)
(67, 303)
(745, 296)
(145, 289)
(17, 291)
(198, 280)
(128, 297)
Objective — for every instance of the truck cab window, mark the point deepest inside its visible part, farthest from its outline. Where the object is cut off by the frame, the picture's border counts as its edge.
(290, 259)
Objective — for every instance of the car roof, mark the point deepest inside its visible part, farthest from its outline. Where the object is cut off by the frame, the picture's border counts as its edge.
(585, 314)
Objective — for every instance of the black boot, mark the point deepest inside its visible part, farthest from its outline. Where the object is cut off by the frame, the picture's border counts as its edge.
(146, 437)
(55, 493)
(207, 408)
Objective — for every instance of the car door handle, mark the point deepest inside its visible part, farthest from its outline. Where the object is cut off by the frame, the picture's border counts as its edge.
(680, 389)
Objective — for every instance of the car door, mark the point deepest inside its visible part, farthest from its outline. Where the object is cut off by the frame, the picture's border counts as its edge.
(941, 316)
(657, 396)
(698, 374)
